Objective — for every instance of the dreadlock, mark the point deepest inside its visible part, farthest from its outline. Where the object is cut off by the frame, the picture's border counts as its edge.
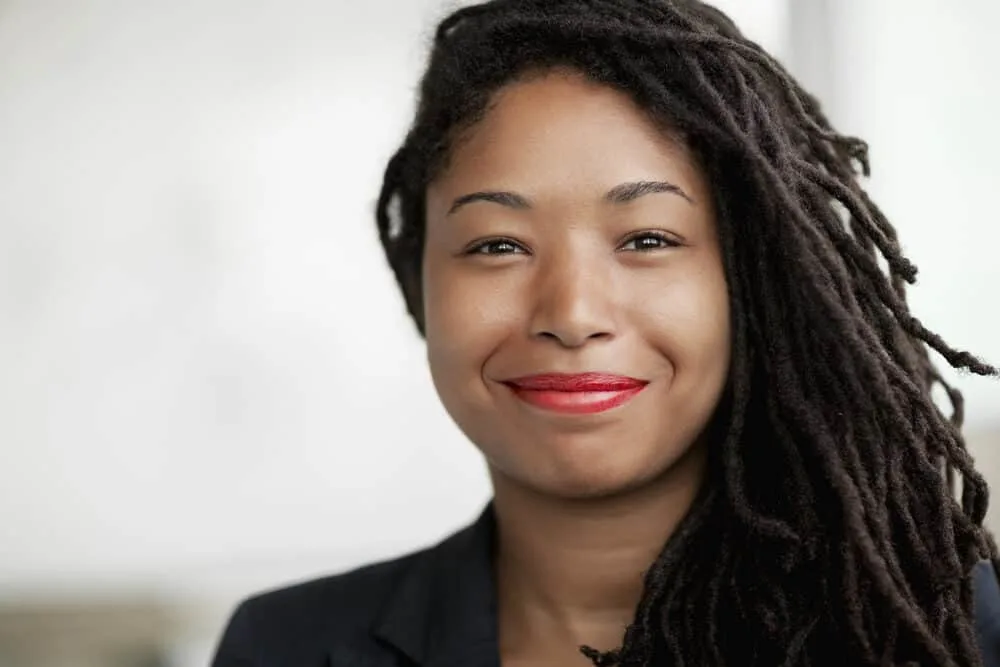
(830, 531)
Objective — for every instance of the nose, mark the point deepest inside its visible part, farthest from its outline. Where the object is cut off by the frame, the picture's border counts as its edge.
(574, 302)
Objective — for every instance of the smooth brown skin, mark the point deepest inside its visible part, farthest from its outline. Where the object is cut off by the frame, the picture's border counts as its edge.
(584, 503)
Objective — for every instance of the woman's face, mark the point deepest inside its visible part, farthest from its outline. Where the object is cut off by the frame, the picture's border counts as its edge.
(577, 315)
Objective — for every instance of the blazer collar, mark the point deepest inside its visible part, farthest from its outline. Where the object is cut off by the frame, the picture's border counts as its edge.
(442, 612)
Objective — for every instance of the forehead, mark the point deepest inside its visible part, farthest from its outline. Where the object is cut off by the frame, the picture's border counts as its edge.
(559, 127)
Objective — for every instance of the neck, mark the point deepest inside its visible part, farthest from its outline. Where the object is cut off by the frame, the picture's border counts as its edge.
(571, 571)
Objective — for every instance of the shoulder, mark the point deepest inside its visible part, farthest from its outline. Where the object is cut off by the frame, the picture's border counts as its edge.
(299, 624)
(368, 616)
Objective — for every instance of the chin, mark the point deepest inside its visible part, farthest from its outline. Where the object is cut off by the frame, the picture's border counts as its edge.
(591, 474)
(568, 481)
(594, 489)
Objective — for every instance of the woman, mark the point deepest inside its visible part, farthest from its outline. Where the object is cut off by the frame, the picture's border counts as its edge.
(657, 299)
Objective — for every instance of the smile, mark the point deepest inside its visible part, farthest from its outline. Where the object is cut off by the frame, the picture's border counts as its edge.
(576, 394)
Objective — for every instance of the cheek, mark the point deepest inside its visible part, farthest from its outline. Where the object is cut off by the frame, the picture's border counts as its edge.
(466, 316)
(689, 318)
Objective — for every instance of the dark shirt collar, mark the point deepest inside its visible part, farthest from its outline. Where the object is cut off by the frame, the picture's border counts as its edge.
(442, 612)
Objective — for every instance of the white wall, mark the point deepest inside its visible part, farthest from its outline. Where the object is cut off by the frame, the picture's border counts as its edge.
(206, 362)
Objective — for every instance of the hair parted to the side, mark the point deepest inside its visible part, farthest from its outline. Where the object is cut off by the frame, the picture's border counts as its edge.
(829, 532)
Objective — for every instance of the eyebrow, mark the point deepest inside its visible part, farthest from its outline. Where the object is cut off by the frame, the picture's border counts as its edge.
(628, 192)
(620, 194)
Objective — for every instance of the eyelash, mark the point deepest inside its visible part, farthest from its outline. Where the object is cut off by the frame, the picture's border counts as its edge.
(664, 240)
(478, 247)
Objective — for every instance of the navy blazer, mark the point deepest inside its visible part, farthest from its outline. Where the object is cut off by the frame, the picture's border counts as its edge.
(433, 608)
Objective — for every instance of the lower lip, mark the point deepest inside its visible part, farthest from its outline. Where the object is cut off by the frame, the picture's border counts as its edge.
(576, 402)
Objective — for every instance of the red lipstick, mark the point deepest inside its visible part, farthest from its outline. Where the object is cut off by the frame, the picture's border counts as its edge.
(576, 393)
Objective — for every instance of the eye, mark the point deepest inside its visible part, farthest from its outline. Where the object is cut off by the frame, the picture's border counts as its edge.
(648, 241)
(495, 247)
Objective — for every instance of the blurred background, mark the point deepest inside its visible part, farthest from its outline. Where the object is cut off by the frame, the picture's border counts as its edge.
(207, 378)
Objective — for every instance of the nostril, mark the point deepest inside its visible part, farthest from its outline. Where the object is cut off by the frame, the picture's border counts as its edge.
(570, 338)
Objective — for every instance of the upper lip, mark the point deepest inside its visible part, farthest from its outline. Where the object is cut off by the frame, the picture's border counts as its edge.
(576, 382)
